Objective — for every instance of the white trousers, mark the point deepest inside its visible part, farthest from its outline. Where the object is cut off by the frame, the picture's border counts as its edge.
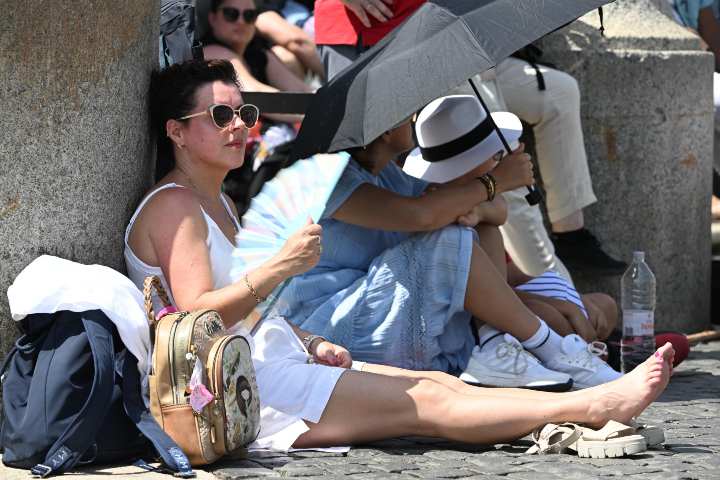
(524, 234)
(554, 114)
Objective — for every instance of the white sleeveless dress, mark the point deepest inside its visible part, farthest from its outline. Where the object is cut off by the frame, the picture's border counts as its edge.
(292, 390)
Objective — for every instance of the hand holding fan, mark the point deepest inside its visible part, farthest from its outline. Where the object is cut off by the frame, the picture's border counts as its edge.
(283, 206)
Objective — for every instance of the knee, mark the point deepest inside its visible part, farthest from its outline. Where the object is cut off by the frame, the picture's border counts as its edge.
(433, 400)
(609, 307)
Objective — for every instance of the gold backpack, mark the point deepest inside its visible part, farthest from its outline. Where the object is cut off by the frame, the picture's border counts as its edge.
(193, 345)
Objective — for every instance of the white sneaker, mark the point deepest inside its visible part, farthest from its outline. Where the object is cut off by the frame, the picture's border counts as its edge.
(581, 361)
(509, 365)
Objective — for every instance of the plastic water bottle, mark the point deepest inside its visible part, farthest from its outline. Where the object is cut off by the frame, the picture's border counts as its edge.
(638, 312)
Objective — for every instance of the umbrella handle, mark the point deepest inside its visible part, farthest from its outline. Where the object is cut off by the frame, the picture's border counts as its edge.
(534, 196)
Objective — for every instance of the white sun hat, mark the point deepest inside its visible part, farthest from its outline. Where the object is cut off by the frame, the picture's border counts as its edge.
(455, 135)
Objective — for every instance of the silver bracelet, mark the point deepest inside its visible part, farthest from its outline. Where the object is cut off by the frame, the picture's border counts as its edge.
(309, 339)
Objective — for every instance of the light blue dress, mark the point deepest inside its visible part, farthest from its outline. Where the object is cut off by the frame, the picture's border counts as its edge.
(392, 298)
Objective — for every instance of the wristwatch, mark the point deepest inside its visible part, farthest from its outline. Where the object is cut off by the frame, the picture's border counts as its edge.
(309, 339)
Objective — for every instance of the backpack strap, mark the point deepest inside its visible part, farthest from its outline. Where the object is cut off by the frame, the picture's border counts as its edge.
(172, 455)
(80, 434)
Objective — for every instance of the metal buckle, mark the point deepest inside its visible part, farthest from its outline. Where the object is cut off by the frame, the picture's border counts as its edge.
(41, 470)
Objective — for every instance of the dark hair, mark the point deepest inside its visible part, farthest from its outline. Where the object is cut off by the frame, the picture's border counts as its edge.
(172, 95)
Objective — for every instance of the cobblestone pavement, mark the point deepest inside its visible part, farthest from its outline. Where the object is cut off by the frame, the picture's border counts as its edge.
(689, 412)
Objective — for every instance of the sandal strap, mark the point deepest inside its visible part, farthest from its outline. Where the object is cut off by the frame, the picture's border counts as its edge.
(612, 429)
(554, 438)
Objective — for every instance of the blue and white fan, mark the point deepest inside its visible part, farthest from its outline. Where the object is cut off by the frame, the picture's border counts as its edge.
(283, 206)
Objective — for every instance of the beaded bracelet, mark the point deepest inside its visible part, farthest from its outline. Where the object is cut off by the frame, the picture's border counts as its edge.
(253, 292)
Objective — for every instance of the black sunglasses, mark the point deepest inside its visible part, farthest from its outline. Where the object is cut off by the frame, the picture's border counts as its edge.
(222, 115)
(231, 14)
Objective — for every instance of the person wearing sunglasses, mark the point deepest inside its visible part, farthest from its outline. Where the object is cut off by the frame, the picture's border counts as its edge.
(233, 36)
(311, 392)
(293, 45)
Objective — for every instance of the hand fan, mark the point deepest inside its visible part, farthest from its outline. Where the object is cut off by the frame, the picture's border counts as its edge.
(283, 206)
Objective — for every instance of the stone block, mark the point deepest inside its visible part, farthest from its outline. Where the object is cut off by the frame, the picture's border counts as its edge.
(75, 150)
(647, 114)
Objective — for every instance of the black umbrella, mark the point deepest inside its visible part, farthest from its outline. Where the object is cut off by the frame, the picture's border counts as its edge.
(443, 44)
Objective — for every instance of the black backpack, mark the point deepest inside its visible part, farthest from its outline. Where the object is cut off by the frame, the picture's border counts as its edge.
(177, 33)
(71, 395)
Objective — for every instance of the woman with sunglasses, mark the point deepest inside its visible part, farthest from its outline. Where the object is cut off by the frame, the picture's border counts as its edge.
(233, 36)
(183, 231)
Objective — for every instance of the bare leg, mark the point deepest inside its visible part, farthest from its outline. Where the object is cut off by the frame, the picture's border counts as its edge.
(367, 406)
(550, 315)
(491, 241)
(490, 299)
(290, 61)
(306, 52)
(609, 307)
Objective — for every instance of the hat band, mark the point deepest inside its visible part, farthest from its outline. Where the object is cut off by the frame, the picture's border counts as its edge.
(460, 144)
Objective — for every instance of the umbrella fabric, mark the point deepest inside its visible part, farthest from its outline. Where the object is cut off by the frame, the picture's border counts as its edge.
(443, 44)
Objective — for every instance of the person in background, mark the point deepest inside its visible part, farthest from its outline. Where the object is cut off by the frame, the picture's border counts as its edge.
(346, 28)
(280, 22)
(233, 36)
(549, 100)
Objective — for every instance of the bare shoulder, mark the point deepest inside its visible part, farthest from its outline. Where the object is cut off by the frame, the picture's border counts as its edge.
(170, 207)
(160, 220)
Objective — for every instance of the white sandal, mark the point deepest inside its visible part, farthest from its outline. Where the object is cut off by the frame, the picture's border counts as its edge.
(613, 440)
(554, 438)
(653, 435)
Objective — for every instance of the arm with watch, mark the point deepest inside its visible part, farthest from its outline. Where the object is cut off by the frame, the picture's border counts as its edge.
(440, 205)
(513, 171)
(322, 350)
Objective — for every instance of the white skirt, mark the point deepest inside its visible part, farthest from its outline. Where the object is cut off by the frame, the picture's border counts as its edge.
(291, 390)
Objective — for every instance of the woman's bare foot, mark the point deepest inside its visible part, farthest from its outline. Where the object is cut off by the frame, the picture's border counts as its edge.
(629, 395)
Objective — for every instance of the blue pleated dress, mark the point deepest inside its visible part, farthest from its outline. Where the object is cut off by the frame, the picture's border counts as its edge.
(391, 298)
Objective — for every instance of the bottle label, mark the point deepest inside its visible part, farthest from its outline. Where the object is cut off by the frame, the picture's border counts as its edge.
(638, 323)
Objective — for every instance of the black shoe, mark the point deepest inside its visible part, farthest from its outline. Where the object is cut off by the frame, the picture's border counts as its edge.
(581, 251)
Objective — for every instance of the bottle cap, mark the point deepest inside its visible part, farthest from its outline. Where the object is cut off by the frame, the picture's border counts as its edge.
(639, 256)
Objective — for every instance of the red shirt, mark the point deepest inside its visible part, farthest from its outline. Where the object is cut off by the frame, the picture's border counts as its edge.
(335, 24)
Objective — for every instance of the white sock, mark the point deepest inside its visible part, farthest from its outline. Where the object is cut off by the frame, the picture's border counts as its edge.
(544, 344)
(489, 336)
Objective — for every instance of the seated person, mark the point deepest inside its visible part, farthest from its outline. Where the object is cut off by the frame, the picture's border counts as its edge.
(554, 113)
(292, 45)
(233, 37)
(593, 316)
(183, 231)
(401, 280)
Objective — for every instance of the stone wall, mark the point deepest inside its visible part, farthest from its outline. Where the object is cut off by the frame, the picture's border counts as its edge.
(74, 145)
(647, 116)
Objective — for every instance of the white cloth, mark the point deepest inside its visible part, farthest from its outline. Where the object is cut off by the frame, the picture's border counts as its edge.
(51, 284)
(526, 239)
(291, 390)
